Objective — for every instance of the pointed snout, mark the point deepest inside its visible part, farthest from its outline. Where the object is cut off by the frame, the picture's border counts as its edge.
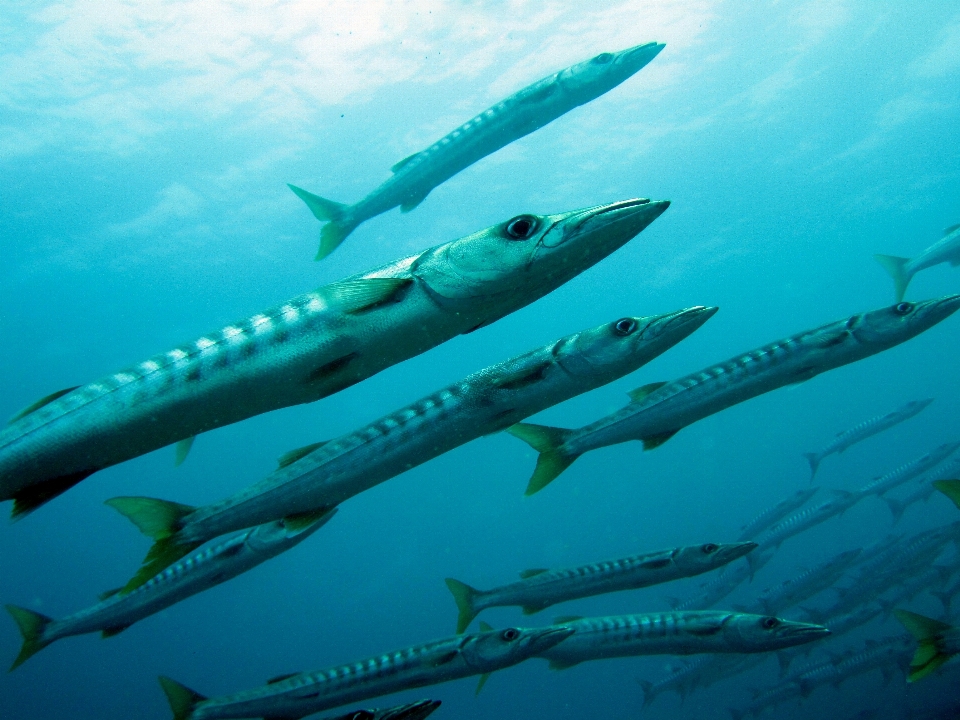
(639, 55)
(728, 552)
(542, 639)
(690, 319)
(792, 633)
(618, 222)
(940, 308)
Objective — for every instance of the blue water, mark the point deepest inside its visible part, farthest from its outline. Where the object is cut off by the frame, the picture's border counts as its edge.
(145, 150)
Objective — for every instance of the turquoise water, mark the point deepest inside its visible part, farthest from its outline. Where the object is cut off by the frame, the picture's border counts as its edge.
(145, 150)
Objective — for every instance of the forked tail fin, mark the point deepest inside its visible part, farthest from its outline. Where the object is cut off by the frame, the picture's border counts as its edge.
(32, 625)
(896, 267)
(926, 630)
(464, 596)
(547, 441)
(327, 211)
(897, 508)
(814, 460)
(181, 698)
(950, 488)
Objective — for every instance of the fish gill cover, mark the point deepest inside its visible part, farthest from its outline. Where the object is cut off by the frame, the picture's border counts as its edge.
(146, 150)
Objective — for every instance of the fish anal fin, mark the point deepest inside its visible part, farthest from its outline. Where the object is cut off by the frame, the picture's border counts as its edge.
(655, 441)
(412, 202)
(299, 521)
(533, 609)
(640, 393)
(532, 572)
(403, 163)
(33, 496)
(481, 682)
(353, 296)
(182, 450)
(289, 458)
(115, 630)
(45, 400)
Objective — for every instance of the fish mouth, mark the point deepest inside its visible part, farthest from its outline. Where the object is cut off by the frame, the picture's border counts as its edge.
(684, 321)
(616, 222)
(795, 633)
(414, 711)
(639, 55)
(729, 552)
(942, 307)
(545, 638)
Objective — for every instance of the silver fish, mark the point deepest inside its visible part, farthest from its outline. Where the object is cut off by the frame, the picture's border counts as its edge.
(909, 470)
(868, 428)
(676, 633)
(308, 348)
(808, 583)
(728, 580)
(541, 587)
(807, 518)
(520, 114)
(202, 571)
(700, 672)
(323, 475)
(659, 410)
(435, 662)
(776, 513)
(902, 270)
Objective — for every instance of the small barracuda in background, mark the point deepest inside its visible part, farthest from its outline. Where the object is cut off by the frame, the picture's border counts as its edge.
(413, 711)
(807, 518)
(838, 626)
(728, 580)
(909, 470)
(541, 587)
(659, 410)
(923, 490)
(520, 114)
(313, 479)
(902, 270)
(297, 695)
(676, 633)
(116, 612)
(788, 593)
(311, 347)
(698, 673)
(866, 429)
(773, 514)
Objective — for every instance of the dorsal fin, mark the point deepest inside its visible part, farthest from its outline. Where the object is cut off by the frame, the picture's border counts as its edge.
(641, 392)
(532, 572)
(947, 231)
(655, 441)
(108, 593)
(289, 458)
(401, 163)
(46, 400)
(561, 619)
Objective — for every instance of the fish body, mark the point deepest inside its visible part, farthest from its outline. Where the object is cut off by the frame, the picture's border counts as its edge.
(659, 410)
(308, 348)
(202, 571)
(428, 664)
(776, 513)
(540, 588)
(677, 633)
(520, 114)
(908, 471)
(728, 580)
(788, 593)
(700, 672)
(808, 517)
(483, 403)
(866, 429)
(902, 270)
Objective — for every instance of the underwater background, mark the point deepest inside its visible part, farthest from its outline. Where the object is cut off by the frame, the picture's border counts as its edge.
(145, 149)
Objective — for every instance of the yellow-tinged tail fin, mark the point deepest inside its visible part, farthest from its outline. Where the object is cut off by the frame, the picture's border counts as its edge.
(896, 267)
(181, 698)
(926, 630)
(464, 596)
(31, 626)
(333, 213)
(548, 441)
(950, 488)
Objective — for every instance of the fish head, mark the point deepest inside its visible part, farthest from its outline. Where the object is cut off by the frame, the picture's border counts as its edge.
(695, 559)
(591, 78)
(889, 326)
(614, 349)
(493, 272)
(495, 649)
(279, 535)
(757, 633)
(915, 406)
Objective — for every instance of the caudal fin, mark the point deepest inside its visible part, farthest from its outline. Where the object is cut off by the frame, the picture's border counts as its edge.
(547, 441)
(950, 488)
(896, 267)
(32, 625)
(464, 596)
(649, 693)
(159, 520)
(327, 211)
(926, 630)
(181, 698)
(814, 460)
(897, 508)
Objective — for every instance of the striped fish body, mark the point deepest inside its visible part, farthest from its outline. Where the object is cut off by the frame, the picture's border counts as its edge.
(788, 593)
(910, 470)
(728, 580)
(807, 518)
(892, 651)
(776, 513)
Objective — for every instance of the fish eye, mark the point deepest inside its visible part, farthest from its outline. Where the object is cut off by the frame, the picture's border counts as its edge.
(903, 308)
(624, 326)
(769, 623)
(522, 227)
(603, 58)
(510, 634)
(710, 548)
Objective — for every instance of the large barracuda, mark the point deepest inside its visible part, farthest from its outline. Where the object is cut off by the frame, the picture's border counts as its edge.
(908, 471)
(676, 633)
(308, 348)
(659, 410)
(541, 587)
(520, 114)
(208, 568)
(297, 695)
(320, 476)
(902, 270)
(775, 513)
(868, 428)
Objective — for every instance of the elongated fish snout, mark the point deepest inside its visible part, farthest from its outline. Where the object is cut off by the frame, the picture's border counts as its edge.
(942, 307)
(639, 55)
(689, 318)
(543, 639)
(792, 633)
(728, 552)
(611, 225)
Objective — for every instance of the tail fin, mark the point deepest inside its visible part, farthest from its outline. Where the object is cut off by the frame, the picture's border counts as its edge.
(896, 267)
(32, 625)
(950, 488)
(928, 656)
(814, 460)
(464, 596)
(896, 508)
(330, 212)
(181, 698)
(547, 441)
(159, 520)
(649, 694)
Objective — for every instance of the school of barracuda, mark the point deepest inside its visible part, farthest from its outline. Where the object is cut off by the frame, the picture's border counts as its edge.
(323, 341)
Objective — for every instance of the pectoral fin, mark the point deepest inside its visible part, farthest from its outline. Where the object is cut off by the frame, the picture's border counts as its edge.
(182, 450)
(655, 441)
(111, 631)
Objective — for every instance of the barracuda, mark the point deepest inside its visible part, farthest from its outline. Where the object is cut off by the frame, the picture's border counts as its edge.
(202, 571)
(909, 470)
(321, 476)
(676, 633)
(520, 114)
(776, 513)
(728, 580)
(700, 672)
(902, 270)
(868, 428)
(435, 662)
(808, 517)
(923, 489)
(309, 348)
(788, 593)
(540, 588)
(659, 410)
